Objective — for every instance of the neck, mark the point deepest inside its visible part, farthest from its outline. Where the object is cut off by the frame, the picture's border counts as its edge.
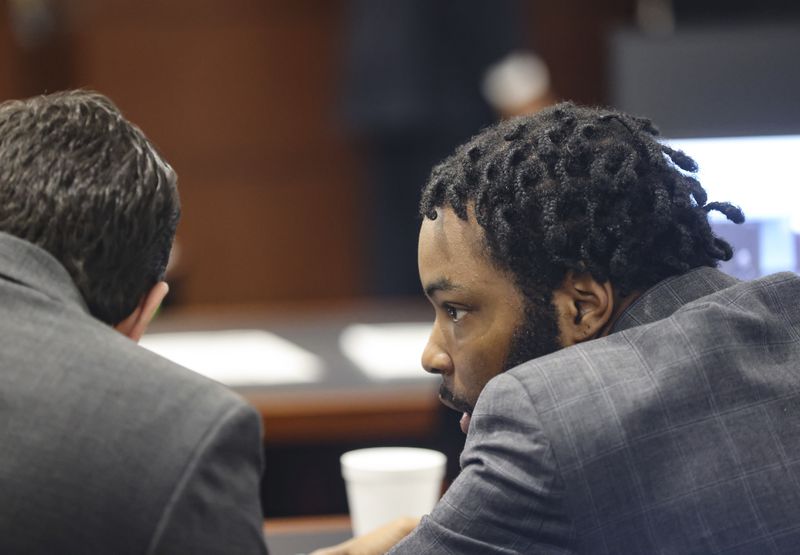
(621, 304)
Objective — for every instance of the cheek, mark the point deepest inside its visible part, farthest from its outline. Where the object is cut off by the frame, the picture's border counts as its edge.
(480, 352)
(475, 368)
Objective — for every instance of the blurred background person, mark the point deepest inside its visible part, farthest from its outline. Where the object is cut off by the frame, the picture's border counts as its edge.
(412, 91)
(518, 84)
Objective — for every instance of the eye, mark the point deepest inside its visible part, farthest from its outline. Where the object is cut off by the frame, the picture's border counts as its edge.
(454, 313)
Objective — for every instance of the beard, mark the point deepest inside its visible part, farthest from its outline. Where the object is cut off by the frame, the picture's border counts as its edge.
(537, 335)
(454, 401)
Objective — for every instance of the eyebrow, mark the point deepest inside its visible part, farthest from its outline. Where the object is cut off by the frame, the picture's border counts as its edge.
(441, 284)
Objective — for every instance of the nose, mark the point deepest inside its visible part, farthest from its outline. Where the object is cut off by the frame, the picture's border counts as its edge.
(435, 358)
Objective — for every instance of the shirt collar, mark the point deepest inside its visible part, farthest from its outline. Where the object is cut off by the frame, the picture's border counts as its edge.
(34, 267)
(667, 296)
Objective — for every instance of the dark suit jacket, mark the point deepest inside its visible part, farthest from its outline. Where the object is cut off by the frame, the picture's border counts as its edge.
(680, 433)
(106, 447)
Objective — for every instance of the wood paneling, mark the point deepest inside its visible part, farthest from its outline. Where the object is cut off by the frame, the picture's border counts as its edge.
(571, 36)
(34, 58)
(240, 96)
(8, 82)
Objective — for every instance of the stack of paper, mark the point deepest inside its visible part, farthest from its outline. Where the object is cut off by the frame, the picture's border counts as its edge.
(387, 351)
(238, 357)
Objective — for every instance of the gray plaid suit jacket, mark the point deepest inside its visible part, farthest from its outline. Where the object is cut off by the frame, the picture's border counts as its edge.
(678, 433)
(105, 447)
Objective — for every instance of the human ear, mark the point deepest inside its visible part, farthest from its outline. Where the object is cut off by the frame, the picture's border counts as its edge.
(585, 307)
(136, 323)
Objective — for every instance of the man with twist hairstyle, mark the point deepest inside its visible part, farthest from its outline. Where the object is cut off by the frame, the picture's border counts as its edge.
(619, 393)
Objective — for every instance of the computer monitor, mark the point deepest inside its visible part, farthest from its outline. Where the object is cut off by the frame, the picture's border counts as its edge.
(761, 175)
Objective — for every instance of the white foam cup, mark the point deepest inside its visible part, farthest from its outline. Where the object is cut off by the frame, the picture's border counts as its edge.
(384, 483)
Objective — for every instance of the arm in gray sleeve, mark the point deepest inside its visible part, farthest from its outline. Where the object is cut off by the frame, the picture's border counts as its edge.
(508, 497)
(215, 508)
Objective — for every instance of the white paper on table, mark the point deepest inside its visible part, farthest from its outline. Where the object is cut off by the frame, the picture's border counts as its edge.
(387, 351)
(238, 357)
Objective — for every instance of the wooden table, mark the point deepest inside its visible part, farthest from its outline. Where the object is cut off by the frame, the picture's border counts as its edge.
(308, 426)
(346, 405)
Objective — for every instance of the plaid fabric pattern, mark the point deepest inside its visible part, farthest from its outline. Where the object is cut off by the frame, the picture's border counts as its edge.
(679, 434)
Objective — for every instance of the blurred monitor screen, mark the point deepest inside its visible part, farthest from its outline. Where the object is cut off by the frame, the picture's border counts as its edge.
(761, 175)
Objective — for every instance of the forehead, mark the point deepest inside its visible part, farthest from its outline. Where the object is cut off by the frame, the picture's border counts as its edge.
(452, 248)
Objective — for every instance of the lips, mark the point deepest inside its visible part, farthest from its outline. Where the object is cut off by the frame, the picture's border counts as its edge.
(451, 401)
(448, 403)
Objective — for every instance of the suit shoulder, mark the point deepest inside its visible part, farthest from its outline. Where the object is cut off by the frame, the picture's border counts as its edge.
(124, 360)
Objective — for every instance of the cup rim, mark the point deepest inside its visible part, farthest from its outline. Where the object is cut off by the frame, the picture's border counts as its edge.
(372, 462)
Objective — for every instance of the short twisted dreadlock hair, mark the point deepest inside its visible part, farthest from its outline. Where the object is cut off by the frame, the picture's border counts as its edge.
(584, 189)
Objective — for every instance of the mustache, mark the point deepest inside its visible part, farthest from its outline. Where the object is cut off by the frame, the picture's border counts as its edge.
(453, 401)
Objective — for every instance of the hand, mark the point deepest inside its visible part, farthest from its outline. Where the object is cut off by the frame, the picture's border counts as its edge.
(377, 542)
